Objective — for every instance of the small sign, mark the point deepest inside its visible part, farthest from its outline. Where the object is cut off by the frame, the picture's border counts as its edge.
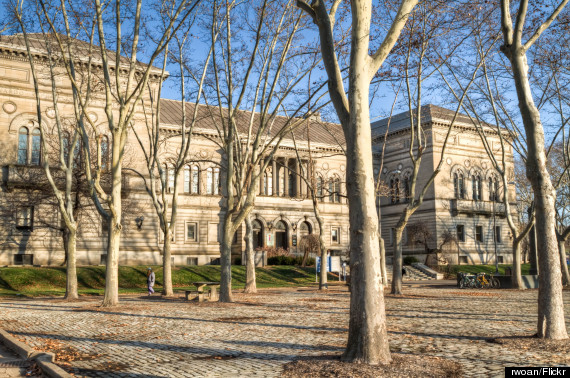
(270, 240)
(294, 240)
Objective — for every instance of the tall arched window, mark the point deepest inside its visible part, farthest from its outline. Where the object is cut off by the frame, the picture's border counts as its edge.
(397, 190)
(334, 190)
(319, 187)
(407, 192)
(195, 180)
(186, 179)
(104, 152)
(36, 147)
(458, 185)
(213, 180)
(493, 195)
(23, 145)
(477, 188)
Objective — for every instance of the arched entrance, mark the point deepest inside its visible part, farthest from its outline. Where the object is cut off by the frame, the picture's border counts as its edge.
(281, 236)
(257, 234)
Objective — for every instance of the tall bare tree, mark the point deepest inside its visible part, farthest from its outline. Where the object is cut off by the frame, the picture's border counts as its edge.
(367, 334)
(254, 78)
(551, 323)
(124, 81)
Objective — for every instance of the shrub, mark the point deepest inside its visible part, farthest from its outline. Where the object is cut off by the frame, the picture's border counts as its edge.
(409, 260)
(288, 260)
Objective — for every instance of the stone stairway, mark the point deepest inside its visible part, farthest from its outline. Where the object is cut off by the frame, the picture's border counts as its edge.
(412, 274)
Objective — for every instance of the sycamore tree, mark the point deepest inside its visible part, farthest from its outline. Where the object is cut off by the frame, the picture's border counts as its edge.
(518, 41)
(260, 62)
(367, 333)
(112, 53)
(163, 169)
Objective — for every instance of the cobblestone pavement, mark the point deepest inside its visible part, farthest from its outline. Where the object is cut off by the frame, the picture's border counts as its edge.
(259, 333)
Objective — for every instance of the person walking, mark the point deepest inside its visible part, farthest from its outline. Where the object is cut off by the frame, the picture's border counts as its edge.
(150, 280)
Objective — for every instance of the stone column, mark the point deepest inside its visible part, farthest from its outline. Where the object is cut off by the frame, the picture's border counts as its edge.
(274, 177)
(298, 179)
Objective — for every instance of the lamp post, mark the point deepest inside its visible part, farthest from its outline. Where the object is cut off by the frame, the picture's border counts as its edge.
(495, 232)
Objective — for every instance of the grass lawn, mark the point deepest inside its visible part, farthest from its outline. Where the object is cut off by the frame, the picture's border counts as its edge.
(35, 281)
(453, 269)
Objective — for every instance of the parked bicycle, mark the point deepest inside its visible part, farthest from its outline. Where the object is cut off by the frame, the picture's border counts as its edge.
(479, 281)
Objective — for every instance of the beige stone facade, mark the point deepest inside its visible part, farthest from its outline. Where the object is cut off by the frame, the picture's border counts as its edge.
(30, 227)
(460, 201)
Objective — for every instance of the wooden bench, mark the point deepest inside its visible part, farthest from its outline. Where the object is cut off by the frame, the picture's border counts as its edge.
(200, 286)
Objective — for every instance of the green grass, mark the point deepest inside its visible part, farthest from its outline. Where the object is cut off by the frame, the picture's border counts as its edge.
(453, 269)
(50, 281)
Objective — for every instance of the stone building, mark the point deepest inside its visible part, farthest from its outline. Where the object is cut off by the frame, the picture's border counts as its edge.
(30, 227)
(465, 198)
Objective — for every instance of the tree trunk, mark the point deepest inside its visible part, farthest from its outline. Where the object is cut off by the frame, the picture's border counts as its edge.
(323, 284)
(563, 266)
(383, 271)
(71, 273)
(167, 263)
(397, 263)
(550, 305)
(250, 284)
(516, 278)
(111, 296)
(226, 262)
(367, 333)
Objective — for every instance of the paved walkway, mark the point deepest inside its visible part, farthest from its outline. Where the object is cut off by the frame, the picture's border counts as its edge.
(11, 365)
(259, 333)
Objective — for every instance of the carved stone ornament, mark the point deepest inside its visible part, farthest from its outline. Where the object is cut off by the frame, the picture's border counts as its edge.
(9, 107)
(484, 165)
(93, 117)
(467, 163)
(50, 112)
(342, 167)
(325, 165)
(385, 170)
(448, 161)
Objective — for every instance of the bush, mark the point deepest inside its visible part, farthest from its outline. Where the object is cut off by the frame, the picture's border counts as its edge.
(409, 260)
(288, 260)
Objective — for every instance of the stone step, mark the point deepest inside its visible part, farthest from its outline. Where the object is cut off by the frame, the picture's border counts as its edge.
(412, 274)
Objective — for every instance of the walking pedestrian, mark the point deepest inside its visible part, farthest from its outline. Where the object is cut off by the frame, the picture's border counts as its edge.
(150, 280)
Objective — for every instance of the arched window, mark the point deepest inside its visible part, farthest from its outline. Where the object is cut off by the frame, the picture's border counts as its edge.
(104, 152)
(477, 188)
(334, 190)
(305, 228)
(23, 145)
(395, 190)
(36, 147)
(319, 187)
(186, 179)
(458, 185)
(170, 179)
(213, 181)
(195, 180)
(493, 195)
(407, 192)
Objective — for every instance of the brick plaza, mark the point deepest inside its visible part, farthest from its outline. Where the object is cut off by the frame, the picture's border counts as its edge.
(259, 333)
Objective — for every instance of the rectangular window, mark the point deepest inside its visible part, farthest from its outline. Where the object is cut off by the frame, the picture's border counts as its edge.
(213, 233)
(191, 232)
(460, 230)
(27, 259)
(479, 233)
(186, 180)
(25, 218)
(463, 260)
(500, 259)
(498, 234)
(335, 235)
(170, 180)
(191, 261)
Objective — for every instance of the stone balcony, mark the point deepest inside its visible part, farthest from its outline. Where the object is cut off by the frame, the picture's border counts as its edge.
(467, 206)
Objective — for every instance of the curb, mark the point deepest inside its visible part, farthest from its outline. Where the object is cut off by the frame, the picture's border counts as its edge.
(43, 359)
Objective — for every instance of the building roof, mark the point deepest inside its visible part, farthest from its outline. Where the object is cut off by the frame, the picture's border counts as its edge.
(317, 131)
(429, 113)
(38, 45)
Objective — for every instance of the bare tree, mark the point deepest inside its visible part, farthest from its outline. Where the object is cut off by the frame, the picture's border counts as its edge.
(124, 81)
(551, 323)
(164, 171)
(251, 106)
(367, 335)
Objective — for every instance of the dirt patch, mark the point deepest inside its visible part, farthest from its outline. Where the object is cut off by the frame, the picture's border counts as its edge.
(525, 342)
(215, 358)
(401, 366)
(411, 296)
(320, 300)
